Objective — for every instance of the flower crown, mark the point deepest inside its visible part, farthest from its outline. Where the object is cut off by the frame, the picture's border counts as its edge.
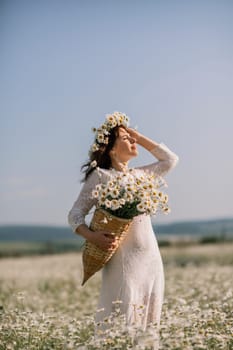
(111, 121)
(101, 133)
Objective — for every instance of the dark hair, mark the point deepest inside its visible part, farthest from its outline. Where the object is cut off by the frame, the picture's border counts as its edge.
(101, 156)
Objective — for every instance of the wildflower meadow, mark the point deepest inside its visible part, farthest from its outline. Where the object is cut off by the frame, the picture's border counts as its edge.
(43, 306)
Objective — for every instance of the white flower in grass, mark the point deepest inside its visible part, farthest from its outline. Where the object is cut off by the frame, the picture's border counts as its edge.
(117, 302)
(100, 310)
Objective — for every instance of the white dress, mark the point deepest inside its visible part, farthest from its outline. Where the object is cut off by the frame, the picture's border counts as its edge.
(134, 275)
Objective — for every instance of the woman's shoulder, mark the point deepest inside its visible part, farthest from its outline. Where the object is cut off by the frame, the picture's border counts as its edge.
(103, 173)
(99, 174)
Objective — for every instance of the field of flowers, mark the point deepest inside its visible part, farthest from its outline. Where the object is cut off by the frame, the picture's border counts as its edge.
(43, 306)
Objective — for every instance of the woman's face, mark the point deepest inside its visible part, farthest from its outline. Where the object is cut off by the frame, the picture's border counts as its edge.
(125, 146)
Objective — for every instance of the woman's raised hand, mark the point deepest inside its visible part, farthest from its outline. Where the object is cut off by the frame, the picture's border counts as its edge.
(134, 133)
(142, 140)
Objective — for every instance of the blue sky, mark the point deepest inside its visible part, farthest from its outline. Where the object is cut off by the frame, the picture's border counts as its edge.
(65, 64)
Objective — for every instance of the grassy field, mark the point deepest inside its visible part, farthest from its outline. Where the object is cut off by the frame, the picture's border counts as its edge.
(43, 306)
(18, 249)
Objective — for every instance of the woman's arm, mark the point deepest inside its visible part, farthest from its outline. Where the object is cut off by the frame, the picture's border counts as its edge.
(83, 203)
(102, 239)
(79, 210)
(142, 140)
(167, 159)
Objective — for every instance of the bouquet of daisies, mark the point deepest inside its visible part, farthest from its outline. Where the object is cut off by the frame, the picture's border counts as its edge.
(132, 193)
(119, 200)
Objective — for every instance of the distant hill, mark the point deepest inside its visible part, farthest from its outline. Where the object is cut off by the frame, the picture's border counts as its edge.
(223, 227)
(31, 233)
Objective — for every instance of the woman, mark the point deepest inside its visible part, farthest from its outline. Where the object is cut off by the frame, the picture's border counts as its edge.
(134, 275)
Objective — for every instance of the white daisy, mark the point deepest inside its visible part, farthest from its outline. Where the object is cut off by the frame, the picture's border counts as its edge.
(94, 147)
(93, 164)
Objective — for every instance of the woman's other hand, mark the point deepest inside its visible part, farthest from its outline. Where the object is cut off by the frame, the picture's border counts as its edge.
(103, 240)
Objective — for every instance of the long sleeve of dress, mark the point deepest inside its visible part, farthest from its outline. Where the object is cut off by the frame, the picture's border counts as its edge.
(84, 202)
(167, 160)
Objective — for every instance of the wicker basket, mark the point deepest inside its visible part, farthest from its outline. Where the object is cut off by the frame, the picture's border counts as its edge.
(93, 257)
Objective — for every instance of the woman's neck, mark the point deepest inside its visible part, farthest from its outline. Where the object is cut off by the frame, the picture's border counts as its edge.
(120, 166)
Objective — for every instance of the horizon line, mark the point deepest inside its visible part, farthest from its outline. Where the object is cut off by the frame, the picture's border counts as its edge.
(153, 223)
